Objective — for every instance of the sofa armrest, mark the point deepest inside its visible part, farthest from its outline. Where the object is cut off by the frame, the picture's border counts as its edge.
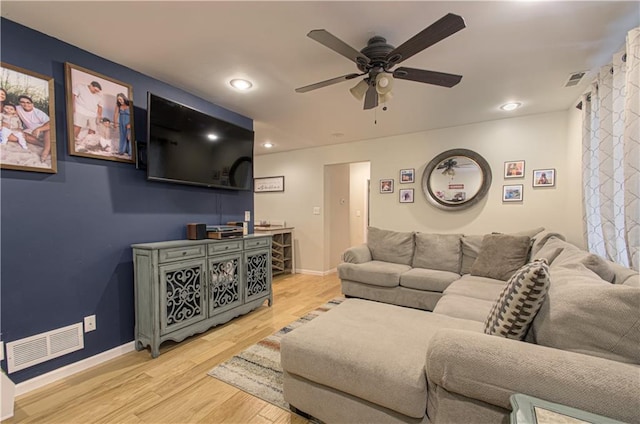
(491, 369)
(357, 254)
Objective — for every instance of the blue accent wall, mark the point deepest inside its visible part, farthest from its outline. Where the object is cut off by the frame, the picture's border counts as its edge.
(65, 237)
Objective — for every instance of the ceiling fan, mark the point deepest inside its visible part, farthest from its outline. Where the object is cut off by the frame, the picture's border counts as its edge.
(378, 58)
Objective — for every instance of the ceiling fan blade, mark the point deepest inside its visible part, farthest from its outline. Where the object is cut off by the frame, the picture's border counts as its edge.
(326, 83)
(337, 45)
(428, 77)
(371, 98)
(438, 31)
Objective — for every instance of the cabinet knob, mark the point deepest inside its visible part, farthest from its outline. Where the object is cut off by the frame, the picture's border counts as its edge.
(184, 253)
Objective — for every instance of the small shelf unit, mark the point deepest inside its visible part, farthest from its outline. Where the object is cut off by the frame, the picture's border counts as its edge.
(282, 256)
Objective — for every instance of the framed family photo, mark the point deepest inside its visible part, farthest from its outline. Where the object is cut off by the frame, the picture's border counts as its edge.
(407, 176)
(406, 195)
(386, 186)
(99, 115)
(544, 177)
(512, 193)
(514, 169)
(28, 135)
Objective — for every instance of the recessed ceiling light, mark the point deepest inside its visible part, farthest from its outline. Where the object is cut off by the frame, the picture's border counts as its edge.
(267, 145)
(212, 136)
(510, 106)
(241, 84)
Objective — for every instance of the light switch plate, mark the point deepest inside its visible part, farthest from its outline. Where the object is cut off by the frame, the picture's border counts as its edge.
(316, 210)
(247, 216)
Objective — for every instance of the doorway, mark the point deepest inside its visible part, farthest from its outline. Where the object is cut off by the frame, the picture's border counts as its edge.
(346, 199)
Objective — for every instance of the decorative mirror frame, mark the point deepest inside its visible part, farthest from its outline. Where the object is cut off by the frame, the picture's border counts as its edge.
(431, 167)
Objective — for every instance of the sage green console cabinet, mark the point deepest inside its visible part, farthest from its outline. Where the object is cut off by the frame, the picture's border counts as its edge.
(185, 287)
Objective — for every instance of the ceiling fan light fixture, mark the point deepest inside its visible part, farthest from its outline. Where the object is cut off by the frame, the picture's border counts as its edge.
(384, 98)
(510, 106)
(358, 91)
(384, 83)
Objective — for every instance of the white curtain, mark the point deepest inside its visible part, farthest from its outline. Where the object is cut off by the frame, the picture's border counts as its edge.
(611, 157)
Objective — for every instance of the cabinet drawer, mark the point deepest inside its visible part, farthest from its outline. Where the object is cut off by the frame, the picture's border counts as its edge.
(179, 253)
(256, 242)
(229, 246)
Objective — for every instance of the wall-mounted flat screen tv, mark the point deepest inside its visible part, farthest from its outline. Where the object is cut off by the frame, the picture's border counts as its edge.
(187, 146)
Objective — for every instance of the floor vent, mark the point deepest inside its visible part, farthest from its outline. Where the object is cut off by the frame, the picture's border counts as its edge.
(33, 350)
(574, 79)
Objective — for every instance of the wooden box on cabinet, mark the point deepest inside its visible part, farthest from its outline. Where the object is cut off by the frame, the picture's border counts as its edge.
(185, 287)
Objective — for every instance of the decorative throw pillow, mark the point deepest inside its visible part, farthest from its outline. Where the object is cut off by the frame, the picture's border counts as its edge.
(515, 309)
(500, 256)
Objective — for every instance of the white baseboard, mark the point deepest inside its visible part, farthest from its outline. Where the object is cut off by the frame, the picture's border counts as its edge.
(68, 370)
(312, 272)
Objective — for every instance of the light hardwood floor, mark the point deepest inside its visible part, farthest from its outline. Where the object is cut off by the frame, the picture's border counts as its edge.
(175, 387)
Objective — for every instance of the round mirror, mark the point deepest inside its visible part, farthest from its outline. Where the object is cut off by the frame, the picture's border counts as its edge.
(456, 179)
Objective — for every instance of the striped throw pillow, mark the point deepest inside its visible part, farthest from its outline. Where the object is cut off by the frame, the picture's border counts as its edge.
(517, 305)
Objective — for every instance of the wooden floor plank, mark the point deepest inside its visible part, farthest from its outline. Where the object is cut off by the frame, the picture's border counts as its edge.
(175, 387)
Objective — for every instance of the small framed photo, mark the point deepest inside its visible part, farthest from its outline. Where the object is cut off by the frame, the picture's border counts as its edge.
(266, 184)
(406, 195)
(512, 193)
(386, 186)
(99, 115)
(544, 177)
(407, 176)
(28, 136)
(514, 169)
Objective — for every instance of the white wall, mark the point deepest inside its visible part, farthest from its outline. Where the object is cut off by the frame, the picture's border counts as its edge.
(358, 179)
(548, 140)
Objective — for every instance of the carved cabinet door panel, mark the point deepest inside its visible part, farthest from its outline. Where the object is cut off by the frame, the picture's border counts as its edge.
(182, 294)
(225, 282)
(258, 273)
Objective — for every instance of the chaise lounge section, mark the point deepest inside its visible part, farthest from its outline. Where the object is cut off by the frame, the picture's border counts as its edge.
(380, 361)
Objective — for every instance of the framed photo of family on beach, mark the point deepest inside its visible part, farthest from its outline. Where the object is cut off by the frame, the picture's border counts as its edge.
(27, 110)
(99, 115)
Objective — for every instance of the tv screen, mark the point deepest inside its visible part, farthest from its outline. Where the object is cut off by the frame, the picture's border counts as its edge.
(187, 146)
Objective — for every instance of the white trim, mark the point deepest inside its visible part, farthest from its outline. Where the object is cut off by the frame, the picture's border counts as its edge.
(68, 370)
(311, 272)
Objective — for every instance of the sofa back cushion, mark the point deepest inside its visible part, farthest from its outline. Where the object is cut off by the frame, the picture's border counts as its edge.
(501, 255)
(594, 319)
(390, 246)
(470, 249)
(516, 307)
(441, 252)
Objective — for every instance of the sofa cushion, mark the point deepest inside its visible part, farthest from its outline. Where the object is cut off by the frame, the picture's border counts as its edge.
(464, 307)
(501, 255)
(390, 246)
(515, 309)
(572, 255)
(343, 349)
(438, 251)
(428, 279)
(541, 239)
(476, 287)
(376, 273)
(594, 319)
(470, 249)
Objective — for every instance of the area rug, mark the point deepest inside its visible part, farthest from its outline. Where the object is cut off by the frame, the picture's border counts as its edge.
(257, 369)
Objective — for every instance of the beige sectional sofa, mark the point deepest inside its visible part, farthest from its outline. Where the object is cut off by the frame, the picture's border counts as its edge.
(412, 347)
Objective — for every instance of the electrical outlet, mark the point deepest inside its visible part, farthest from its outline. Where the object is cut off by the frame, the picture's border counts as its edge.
(89, 323)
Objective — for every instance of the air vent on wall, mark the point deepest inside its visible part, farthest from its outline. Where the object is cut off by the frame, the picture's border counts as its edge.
(575, 78)
(33, 350)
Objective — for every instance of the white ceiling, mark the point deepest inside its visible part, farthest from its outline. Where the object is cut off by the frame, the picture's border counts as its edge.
(518, 50)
